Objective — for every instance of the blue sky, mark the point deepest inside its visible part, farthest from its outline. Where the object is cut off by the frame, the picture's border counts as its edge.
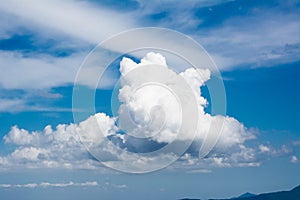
(256, 47)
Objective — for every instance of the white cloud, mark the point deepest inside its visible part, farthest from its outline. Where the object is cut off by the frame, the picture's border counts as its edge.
(23, 104)
(20, 136)
(30, 154)
(257, 40)
(153, 111)
(73, 18)
(240, 45)
(44, 185)
(24, 72)
(264, 37)
(12, 101)
(264, 148)
(200, 171)
(294, 159)
(58, 148)
(11, 104)
(179, 14)
(236, 156)
(47, 184)
(118, 186)
(84, 22)
(61, 147)
(140, 102)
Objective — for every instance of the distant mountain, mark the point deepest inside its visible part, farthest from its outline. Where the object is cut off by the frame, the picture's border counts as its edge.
(293, 194)
(189, 199)
(247, 194)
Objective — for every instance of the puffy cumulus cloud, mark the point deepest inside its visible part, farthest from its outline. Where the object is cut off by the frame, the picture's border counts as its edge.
(151, 116)
(196, 79)
(264, 148)
(236, 156)
(28, 153)
(19, 136)
(240, 155)
(148, 108)
(157, 108)
(56, 148)
(154, 109)
(234, 132)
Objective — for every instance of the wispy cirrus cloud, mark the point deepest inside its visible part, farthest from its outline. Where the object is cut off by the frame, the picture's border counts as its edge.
(25, 72)
(16, 100)
(22, 105)
(74, 25)
(254, 41)
(236, 33)
(247, 37)
(79, 19)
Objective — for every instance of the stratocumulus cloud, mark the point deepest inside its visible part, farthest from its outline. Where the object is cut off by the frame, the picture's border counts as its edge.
(61, 147)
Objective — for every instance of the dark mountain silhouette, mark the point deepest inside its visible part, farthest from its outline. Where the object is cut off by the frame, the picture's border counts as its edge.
(247, 194)
(293, 194)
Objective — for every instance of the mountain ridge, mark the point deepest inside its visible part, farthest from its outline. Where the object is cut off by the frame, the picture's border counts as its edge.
(293, 194)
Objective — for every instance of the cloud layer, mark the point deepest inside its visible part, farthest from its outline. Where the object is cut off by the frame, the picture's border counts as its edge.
(62, 148)
(46, 185)
(236, 40)
(105, 185)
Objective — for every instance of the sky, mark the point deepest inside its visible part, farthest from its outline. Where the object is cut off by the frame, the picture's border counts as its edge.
(50, 145)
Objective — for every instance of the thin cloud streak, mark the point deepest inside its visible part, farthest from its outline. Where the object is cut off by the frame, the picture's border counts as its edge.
(47, 184)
